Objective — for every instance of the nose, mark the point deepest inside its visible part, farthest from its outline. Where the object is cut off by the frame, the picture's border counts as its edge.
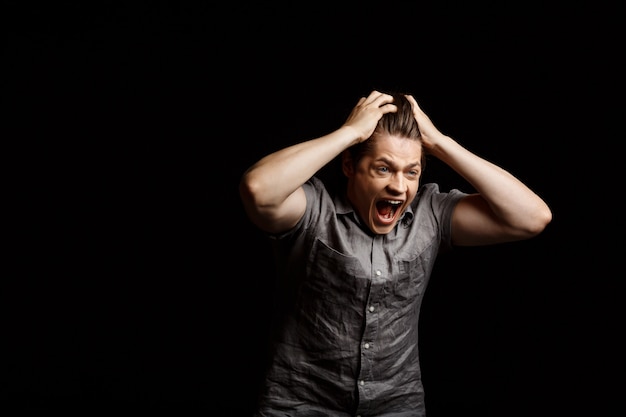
(397, 183)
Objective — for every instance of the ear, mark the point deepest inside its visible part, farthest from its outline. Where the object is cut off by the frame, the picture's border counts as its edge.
(346, 164)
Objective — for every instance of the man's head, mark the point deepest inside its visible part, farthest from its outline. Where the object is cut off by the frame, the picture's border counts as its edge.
(384, 171)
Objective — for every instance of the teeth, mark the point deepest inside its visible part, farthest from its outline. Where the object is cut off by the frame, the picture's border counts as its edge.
(394, 202)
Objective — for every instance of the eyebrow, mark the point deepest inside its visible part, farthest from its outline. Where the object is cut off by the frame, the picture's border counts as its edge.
(417, 164)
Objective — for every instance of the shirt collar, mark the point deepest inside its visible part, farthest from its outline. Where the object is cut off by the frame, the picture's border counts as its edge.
(343, 207)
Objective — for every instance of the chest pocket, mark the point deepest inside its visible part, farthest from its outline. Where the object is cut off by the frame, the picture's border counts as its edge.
(331, 298)
(410, 278)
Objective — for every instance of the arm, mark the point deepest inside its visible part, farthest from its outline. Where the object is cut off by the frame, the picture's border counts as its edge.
(271, 189)
(502, 210)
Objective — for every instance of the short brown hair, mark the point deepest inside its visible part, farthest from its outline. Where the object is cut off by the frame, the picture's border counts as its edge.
(401, 123)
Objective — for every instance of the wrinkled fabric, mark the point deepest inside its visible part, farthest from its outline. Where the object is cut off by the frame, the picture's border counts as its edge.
(345, 330)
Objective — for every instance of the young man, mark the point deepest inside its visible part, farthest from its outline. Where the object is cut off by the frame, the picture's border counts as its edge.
(353, 265)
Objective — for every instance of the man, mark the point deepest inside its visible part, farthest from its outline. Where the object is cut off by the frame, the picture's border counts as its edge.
(353, 265)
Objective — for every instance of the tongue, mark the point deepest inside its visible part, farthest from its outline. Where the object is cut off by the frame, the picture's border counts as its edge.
(384, 210)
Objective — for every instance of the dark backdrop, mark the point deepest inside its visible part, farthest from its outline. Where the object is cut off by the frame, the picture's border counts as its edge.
(135, 281)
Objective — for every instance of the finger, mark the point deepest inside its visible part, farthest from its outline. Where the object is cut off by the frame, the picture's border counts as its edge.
(372, 97)
(388, 108)
(413, 102)
(383, 99)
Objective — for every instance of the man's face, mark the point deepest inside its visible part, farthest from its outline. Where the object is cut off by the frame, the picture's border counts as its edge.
(385, 181)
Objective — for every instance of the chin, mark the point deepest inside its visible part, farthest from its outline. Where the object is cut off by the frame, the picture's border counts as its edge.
(383, 230)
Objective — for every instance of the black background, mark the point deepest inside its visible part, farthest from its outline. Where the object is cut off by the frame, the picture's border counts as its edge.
(136, 283)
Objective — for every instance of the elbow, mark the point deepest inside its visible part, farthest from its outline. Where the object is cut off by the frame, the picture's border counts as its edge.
(249, 194)
(255, 193)
(543, 219)
(538, 223)
(248, 191)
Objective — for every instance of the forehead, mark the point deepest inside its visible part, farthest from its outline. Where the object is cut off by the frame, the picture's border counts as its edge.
(396, 148)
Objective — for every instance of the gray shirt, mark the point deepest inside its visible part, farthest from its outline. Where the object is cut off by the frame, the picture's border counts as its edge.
(347, 306)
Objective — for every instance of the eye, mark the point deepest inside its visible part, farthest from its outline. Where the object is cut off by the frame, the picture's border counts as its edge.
(413, 173)
(383, 169)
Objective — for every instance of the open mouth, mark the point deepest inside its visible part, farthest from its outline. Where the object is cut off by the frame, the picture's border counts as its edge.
(387, 209)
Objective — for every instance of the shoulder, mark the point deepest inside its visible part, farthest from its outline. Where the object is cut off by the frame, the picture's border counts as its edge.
(320, 206)
(431, 193)
(317, 193)
(431, 202)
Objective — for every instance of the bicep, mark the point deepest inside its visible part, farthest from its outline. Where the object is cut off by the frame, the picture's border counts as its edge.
(280, 218)
(474, 223)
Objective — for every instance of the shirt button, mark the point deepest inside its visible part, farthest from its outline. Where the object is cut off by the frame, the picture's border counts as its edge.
(362, 382)
(367, 346)
(371, 309)
(378, 273)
